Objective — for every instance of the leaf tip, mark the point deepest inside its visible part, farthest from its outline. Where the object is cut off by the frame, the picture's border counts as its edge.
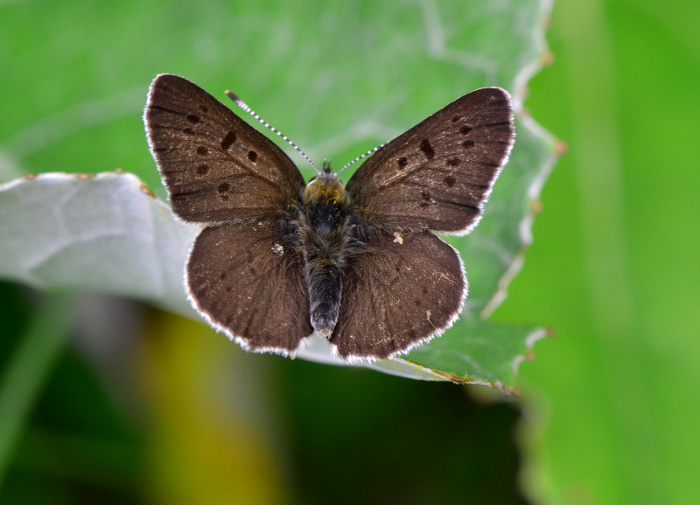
(546, 58)
(146, 190)
(560, 148)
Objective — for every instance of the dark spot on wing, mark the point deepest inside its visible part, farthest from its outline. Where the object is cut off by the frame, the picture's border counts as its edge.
(202, 151)
(222, 189)
(456, 118)
(188, 131)
(427, 149)
(194, 118)
(252, 156)
(465, 129)
(450, 181)
(468, 144)
(203, 169)
(228, 140)
(453, 162)
(402, 162)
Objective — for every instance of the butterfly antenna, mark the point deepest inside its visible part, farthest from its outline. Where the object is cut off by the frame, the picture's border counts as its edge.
(236, 99)
(371, 151)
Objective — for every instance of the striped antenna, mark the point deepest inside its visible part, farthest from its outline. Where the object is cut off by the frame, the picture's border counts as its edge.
(371, 151)
(236, 99)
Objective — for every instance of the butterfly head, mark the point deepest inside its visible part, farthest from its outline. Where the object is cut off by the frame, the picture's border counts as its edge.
(326, 178)
(326, 187)
(326, 170)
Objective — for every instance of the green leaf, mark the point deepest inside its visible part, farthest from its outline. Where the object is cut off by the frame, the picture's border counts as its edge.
(333, 99)
(103, 233)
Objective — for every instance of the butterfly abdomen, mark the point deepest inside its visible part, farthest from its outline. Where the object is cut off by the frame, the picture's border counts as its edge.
(324, 280)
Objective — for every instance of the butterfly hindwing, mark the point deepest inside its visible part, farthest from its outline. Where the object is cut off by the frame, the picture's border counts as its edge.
(404, 289)
(438, 174)
(250, 284)
(215, 166)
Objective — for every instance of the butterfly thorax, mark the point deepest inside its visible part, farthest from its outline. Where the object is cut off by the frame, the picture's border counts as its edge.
(326, 229)
(327, 205)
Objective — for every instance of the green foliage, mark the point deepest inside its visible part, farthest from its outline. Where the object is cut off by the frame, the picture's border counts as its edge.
(614, 266)
(611, 402)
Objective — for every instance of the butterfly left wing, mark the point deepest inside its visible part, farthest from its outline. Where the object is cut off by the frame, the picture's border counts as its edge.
(250, 284)
(215, 165)
(438, 174)
(404, 288)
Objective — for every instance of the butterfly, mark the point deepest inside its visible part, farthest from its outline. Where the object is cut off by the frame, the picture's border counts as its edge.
(360, 264)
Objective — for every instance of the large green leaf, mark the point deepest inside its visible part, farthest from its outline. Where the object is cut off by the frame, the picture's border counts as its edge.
(105, 234)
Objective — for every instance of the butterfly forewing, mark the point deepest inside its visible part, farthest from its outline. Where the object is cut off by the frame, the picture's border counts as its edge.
(250, 284)
(438, 174)
(215, 166)
(406, 288)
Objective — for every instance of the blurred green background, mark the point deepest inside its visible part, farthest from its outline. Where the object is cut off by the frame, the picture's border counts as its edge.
(139, 406)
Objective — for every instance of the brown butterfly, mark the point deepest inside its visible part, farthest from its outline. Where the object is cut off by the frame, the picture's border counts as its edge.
(361, 264)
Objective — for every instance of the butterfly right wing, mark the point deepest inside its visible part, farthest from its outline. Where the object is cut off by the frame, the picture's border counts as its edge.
(250, 284)
(404, 289)
(216, 167)
(439, 173)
